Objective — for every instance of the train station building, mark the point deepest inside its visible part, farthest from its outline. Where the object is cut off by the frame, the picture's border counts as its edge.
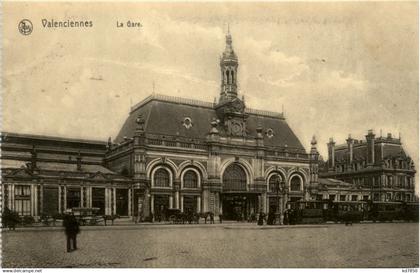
(171, 152)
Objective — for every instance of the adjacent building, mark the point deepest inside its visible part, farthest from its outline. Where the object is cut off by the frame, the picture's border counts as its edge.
(376, 168)
(47, 175)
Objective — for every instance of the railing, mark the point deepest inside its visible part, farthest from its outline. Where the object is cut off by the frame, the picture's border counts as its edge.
(171, 141)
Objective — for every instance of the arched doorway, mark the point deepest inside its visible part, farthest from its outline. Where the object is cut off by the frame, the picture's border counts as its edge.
(237, 202)
(274, 181)
(234, 178)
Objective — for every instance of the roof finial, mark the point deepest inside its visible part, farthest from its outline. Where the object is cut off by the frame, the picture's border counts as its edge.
(313, 141)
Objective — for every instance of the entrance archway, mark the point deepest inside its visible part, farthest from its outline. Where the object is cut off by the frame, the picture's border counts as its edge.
(237, 202)
(234, 178)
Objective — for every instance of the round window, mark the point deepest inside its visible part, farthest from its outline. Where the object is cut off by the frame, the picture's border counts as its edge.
(269, 133)
(187, 122)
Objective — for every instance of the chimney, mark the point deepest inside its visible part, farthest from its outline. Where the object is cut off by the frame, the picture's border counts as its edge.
(34, 157)
(331, 154)
(350, 142)
(139, 132)
(79, 161)
(370, 144)
(109, 144)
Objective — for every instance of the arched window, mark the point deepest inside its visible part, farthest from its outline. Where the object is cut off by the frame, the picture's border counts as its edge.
(190, 179)
(234, 178)
(274, 182)
(161, 178)
(227, 77)
(295, 183)
(232, 77)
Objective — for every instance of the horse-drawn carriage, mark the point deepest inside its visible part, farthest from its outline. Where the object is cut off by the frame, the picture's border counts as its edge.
(176, 216)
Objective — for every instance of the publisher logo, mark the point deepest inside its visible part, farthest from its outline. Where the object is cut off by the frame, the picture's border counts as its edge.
(25, 27)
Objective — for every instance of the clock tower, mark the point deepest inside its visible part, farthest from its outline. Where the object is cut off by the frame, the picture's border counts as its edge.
(230, 109)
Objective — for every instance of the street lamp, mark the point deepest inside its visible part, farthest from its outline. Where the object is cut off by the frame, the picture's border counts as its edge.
(280, 189)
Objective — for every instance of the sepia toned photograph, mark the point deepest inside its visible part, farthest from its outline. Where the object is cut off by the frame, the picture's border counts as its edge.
(210, 135)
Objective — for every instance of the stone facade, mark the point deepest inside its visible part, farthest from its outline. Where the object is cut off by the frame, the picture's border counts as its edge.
(377, 168)
(234, 157)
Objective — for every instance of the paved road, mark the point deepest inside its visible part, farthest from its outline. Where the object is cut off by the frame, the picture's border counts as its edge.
(360, 245)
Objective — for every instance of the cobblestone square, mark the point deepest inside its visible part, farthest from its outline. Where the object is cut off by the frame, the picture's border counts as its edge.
(235, 245)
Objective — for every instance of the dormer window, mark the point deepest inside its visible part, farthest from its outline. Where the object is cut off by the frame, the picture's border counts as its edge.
(269, 133)
(187, 122)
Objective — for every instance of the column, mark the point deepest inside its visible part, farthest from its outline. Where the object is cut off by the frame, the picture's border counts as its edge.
(114, 201)
(198, 204)
(41, 199)
(216, 203)
(152, 203)
(36, 200)
(87, 197)
(264, 201)
(12, 196)
(109, 196)
(65, 197)
(3, 202)
(205, 200)
(182, 203)
(59, 199)
(129, 202)
(171, 202)
(177, 200)
(82, 196)
(32, 200)
(7, 201)
(90, 196)
(106, 202)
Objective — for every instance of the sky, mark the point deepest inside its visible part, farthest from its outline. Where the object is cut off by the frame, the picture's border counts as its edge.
(338, 68)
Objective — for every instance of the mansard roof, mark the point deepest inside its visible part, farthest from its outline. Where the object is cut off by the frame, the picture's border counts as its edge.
(52, 141)
(390, 150)
(54, 157)
(165, 115)
(17, 168)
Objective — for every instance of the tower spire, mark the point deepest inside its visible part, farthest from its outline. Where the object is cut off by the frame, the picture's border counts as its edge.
(229, 67)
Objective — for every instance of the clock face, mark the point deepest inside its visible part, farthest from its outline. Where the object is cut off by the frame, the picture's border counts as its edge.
(236, 128)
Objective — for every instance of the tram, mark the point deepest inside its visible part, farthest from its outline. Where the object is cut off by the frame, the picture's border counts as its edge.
(321, 211)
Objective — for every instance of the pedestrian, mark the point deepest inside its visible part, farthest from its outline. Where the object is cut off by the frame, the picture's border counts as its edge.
(71, 228)
(211, 218)
(271, 218)
(221, 218)
(261, 218)
(286, 217)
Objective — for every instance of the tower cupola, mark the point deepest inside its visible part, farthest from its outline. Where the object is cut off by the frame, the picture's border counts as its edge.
(229, 68)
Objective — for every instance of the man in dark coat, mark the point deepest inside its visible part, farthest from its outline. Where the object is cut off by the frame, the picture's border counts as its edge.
(71, 228)
(261, 218)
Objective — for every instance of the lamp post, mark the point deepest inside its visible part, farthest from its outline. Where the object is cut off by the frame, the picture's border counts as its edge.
(280, 189)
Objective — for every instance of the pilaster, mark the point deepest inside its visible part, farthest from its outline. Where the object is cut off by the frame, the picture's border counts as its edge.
(129, 202)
